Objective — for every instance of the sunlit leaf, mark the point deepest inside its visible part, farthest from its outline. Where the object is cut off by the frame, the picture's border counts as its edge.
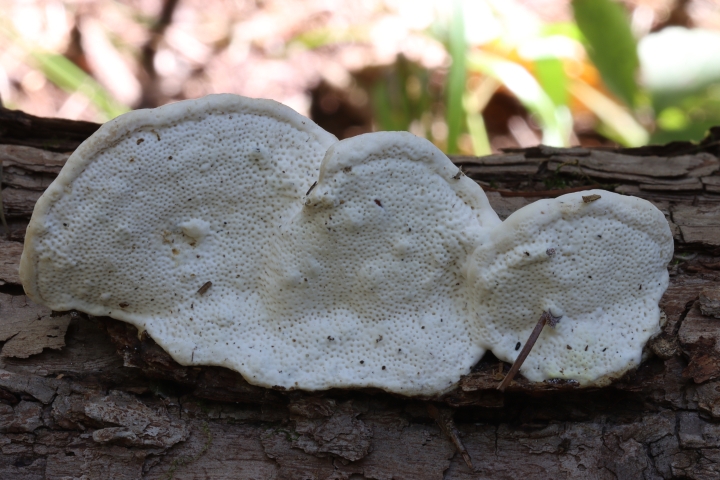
(550, 74)
(619, 124)
(566, 29)
(610, 45)
(672, 118)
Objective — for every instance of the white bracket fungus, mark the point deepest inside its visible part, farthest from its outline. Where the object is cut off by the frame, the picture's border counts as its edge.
(239, 233)
(600, 265)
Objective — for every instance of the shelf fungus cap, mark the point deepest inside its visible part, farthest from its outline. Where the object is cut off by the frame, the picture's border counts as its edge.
(598, 260)
(216, 226)
(371, 270)
(163, 219)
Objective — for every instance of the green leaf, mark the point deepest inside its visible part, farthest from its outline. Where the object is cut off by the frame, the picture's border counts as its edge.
(551, 76)
(610, 45)
(690, 118)
(457, 48)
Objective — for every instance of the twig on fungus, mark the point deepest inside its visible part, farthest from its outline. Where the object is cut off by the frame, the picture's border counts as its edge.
(545, 318)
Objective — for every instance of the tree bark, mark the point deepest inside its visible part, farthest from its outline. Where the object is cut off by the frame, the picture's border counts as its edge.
(84, 397)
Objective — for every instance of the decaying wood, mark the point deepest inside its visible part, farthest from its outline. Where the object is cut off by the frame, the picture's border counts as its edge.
(28, 328)
(444, 419)
(51, 134)
(98, 402)
(10, 262)
(710, 301)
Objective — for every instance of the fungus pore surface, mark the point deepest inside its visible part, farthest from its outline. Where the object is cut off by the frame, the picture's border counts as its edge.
(600, 265)
(238, 233)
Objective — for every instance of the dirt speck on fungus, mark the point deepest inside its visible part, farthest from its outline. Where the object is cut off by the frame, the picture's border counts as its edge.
(206, 286)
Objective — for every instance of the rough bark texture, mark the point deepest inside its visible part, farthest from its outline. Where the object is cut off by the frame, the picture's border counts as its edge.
(86, 398)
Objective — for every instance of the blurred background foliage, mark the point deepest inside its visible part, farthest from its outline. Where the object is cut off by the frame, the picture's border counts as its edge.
(473, 76)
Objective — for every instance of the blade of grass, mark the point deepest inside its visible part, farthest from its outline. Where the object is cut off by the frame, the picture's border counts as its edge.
(382, 112)
(478, 134)
(457, 47)
(554, 121)
(66, 75)
(474, 102)
(389, 106)
(619, 124)
(324, 36)
(71, 78)
(401, 97)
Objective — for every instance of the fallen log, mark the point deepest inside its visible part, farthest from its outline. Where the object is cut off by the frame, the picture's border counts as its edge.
(84, 395)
